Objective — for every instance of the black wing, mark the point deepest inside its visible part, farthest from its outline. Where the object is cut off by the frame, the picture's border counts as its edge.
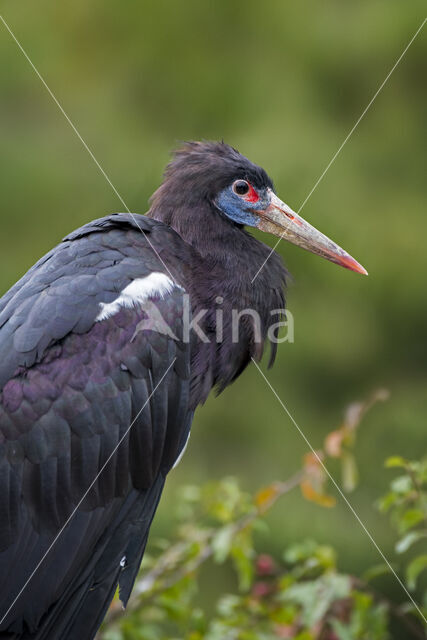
(73, 381)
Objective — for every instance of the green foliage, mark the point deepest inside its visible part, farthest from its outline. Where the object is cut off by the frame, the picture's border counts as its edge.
(302, 594)
(406, 502)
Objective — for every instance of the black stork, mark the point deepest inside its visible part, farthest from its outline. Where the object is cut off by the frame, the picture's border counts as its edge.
(96, 405)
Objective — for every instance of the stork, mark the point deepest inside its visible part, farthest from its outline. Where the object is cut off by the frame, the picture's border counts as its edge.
(97, 398)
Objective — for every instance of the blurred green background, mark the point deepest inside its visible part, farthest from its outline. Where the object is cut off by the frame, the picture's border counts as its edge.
(284, 82)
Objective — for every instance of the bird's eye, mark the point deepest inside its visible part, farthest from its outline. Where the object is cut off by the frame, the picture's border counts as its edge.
(241, 187)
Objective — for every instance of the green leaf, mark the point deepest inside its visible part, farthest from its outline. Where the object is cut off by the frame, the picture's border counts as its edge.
(349, 472)
(342, 631)
(242, 556)
(368, 619)
(375, 572)
(387, 501)
(402, 484)
(410, 518)
(315, 597)
(407, 541)
(221, 543)
(326, 556)
(300, 551)
(228, 604)
(396, 461)
(414, 569)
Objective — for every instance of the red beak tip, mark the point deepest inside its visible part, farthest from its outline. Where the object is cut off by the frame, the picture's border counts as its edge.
(353, 265)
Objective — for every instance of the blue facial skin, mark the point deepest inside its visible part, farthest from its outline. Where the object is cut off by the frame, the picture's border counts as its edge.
(237, 209)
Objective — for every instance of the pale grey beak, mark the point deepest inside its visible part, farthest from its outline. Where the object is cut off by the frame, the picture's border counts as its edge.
(280, 220)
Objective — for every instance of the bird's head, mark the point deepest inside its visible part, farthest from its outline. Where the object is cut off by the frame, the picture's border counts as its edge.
(234, 187)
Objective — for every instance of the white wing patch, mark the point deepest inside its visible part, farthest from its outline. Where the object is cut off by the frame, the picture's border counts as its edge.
(137, 292)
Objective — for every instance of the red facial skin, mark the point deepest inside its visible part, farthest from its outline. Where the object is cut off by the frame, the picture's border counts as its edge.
(252, 195)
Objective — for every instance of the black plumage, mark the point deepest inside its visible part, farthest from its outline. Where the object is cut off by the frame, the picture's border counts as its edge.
(75, 508)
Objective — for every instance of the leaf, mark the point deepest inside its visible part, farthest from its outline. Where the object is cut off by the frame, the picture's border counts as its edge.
(342, 631)
(300, 551)
(326, 556)
(316, 597)
(387, 501)
(322, 499)
(375, 572)
(349, 472)
(266, 496)
(242, 561)
(395, 461)
(410, 518)
(221, 543)
(414, 569)
(242, 554)
(333, 443)
(402, 484)
(312, 487)
(228, 604)
(368, 619)
(407, 541)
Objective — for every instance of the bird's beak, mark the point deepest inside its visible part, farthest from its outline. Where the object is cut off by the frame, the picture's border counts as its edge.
(280, 220)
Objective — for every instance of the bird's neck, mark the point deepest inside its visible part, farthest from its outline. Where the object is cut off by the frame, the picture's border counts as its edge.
(233, 307)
